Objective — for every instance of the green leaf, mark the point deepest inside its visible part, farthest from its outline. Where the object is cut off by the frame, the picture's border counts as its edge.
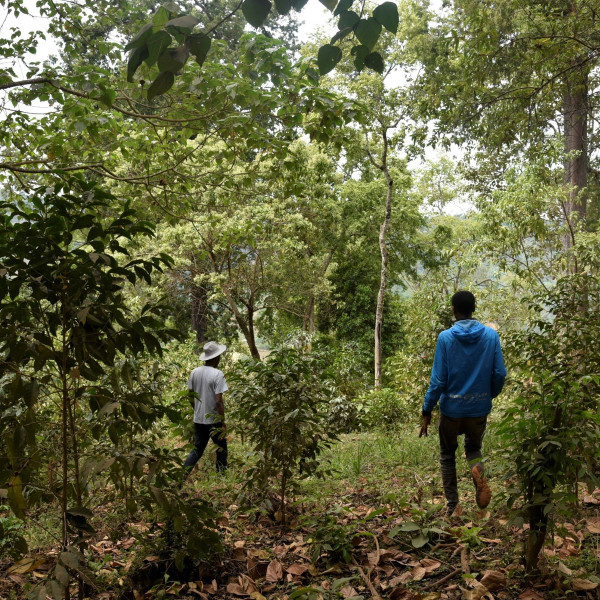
(299, 4)
(140, 37)
(256, 11)
(61, 575)
(342, 6)
(199, 44)
(348, 19)
(387, 15)
(374, 61)
(108, 97)
(328, 57)
(187, 23)
(171, 7)
(419, 541)
(360, 53)
(157, 44)
(341, 34)
(16, 500)
(367, 32)
(160, 18)
(173, 59)
(283, 6)
(137, 57)
(410, 526)
(163, 83)
(328, 4)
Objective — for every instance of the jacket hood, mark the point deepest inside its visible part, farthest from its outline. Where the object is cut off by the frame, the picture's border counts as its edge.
(468, 331)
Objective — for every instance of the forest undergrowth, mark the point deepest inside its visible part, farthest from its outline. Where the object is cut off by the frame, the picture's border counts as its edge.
(375, 528)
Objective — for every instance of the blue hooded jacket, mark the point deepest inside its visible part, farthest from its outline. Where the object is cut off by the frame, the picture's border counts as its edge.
(468, 371)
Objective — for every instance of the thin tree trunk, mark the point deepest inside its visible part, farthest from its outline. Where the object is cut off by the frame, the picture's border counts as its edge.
(383, 232)
(308, 321)
(246, 328)
(199, 308)
(575, 113)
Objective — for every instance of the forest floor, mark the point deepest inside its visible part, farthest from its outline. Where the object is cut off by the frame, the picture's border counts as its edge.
(374, 528)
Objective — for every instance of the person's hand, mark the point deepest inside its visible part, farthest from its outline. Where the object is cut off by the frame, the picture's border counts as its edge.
(426, 422)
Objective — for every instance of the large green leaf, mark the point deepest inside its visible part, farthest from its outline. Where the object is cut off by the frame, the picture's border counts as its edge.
(161, 17)
(342, 6)
(367, 32)
(187, 23)
(173, 59)
(137, 57)
(140, 37)
(16, 500)
(199, 44)
(329, 4)
(256, 11)
(374, 61)
(283, 6)
(328, 57)
(360, 53)
(299, 4)
(348, 19)
(342, 33)
(387, 15)
(157, 44)
(163, 83)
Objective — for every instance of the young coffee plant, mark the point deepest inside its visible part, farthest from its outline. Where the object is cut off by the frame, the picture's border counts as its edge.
(64, 269)
(281, 405)
(551, 432)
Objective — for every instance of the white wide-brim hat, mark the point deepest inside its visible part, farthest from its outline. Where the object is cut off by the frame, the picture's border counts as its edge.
(212, 350)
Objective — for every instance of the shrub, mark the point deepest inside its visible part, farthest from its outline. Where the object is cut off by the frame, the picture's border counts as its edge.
(384, 408)
(552, 432)
(281, 405)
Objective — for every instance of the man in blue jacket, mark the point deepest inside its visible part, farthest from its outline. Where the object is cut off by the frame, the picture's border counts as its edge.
(468, 371)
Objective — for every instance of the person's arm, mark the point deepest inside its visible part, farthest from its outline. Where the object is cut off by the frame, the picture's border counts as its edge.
(190, 386)
(220, 407)
(437, 384)
(220, 388)
(498, 370)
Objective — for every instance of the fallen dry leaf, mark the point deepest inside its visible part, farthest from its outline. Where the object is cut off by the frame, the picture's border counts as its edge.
(593, 525)
(430, 565)
(418, 573)
(401, 594)
(274, 571)
(297, 569)
(256, 568)
(564, 569)
(348, 591)
(236, 589)
(478, 591)
(493, 580)
(257, 596)
(531, 595)
(25, 565)
(583, 585)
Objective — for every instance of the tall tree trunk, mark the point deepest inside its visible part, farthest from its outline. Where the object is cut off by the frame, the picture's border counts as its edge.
(383, 231)
(575, 114)
(251, 338)
(247, 328)
(199, 309)
(308, 321)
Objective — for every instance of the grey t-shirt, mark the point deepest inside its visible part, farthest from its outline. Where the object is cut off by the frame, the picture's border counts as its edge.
(207, 382)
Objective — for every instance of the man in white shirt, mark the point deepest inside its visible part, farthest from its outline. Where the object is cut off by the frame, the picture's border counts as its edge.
(208, 385)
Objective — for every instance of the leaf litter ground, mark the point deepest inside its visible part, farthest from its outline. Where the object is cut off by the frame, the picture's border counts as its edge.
(376, 529)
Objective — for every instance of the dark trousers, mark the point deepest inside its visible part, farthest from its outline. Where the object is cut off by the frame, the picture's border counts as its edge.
(473, 429)
(202, 433)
